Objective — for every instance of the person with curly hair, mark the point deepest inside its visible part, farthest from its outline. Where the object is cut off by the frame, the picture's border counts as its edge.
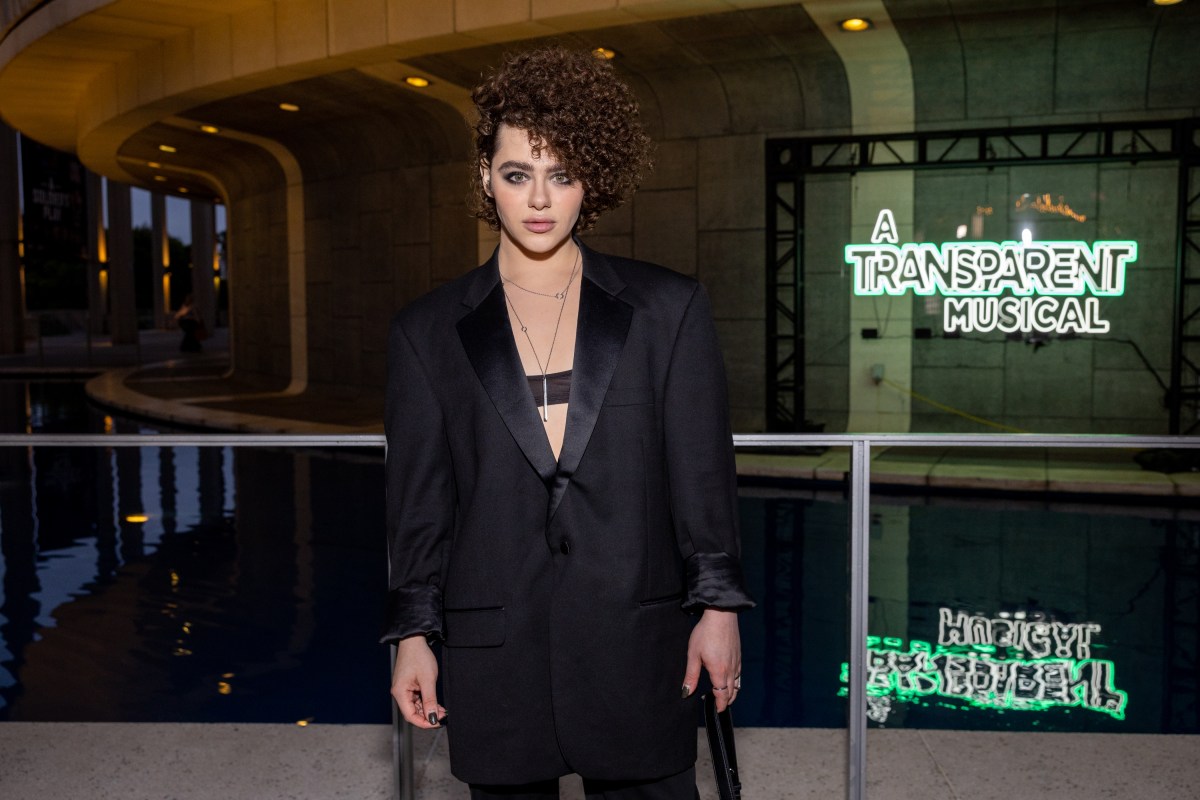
(561, 493)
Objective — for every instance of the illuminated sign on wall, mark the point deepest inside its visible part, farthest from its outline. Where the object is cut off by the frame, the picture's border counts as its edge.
(1045, 282)
(998, 664)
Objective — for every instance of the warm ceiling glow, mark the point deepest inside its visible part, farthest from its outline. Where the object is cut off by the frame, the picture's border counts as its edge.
(1167, 2)
(289, 107)
(166, 148)
(153, 164)
(855, 24)
(160, 178)
(137, 518)
(183, 190)
(210, 129)
(417, 81)
(605, 53)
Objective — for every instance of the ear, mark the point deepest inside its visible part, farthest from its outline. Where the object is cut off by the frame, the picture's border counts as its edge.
(485, 178)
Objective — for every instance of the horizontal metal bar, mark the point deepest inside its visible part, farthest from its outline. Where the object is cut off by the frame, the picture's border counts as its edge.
(999, 440)
(191, 440)
(772, 440)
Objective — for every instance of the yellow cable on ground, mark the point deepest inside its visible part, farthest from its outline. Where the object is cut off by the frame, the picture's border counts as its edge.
(950, 409)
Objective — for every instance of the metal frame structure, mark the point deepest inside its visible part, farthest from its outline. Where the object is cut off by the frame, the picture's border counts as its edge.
(790, 161)
(859, 495)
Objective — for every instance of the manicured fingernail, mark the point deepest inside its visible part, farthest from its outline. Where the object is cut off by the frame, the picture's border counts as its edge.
(433, 718)
(687, 690)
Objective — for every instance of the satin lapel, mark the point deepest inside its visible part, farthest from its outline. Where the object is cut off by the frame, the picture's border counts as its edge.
(600, 337)
(487, 337)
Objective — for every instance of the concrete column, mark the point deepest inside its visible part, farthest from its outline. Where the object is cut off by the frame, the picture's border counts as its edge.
(879, 74)
(204, 249)
(97, 255)
(160, 259)
(122, 303)
(12, 301)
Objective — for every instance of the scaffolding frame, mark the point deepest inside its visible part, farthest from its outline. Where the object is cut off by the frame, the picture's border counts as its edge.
(789, 161)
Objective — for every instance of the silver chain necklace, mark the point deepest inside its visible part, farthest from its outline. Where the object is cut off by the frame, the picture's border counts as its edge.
(525, 330)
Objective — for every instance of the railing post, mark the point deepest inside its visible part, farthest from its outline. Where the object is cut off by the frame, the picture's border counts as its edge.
(860, 528)
(402, 748)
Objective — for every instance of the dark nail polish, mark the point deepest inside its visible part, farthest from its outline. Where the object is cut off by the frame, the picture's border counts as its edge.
(433, 718)
(687, 690)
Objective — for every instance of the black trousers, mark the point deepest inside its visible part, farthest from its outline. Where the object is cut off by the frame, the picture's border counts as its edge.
(681, 786)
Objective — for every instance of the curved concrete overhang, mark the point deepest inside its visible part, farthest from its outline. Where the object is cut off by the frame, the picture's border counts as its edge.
(96, 76)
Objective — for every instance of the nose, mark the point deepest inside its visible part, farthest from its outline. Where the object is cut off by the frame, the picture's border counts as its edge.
(539, 196)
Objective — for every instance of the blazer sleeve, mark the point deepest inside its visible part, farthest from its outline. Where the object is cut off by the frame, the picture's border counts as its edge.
(420, 494)
(701, 473)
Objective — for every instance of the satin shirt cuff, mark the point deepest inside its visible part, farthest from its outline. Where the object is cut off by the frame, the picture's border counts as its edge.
(413, 611)
(714, 580)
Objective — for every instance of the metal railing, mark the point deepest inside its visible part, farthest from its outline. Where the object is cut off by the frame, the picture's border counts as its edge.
(859, 496)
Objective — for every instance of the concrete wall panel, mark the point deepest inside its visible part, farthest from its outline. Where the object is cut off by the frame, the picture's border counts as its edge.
(730, 192)
(252, 39)
(731, 268)
(357, 25)
(1103, 68)
(763, 95)
(418, 19)
(674, 165)
(693, 102)
(301, 30)
(664, 229)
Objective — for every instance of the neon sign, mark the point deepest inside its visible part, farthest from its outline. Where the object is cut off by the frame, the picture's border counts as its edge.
(994, 664)
(1045, 281)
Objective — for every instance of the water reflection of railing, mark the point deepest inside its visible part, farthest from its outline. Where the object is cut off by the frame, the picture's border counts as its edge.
(858, 489)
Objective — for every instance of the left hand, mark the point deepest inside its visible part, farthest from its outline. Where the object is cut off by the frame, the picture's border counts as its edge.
(715, 645)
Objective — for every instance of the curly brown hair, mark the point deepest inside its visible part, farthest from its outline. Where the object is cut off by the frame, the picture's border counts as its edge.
(573, 104)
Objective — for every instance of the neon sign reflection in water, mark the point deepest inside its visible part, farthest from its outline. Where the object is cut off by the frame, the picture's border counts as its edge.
(996, 664)
(976, 275)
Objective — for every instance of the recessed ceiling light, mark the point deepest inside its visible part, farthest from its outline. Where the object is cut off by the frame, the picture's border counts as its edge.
(153, 164)
(417, 81)
(856, 24)
(605, 53)
(166, 148)
(210, 129)
(183, 190)
(160, 178)
(289, 107)
(1167, 2)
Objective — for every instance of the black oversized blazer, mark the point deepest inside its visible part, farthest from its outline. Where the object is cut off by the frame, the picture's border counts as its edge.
(562, 590)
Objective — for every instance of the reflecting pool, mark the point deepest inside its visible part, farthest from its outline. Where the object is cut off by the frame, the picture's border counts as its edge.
(247, 584)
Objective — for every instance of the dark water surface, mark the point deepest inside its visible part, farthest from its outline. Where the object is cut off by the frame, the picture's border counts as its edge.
(246, 584)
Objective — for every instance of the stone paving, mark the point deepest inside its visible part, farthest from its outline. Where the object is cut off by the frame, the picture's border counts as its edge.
(186, 761)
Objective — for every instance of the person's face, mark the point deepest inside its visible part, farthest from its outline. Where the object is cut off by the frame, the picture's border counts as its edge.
(537, 202)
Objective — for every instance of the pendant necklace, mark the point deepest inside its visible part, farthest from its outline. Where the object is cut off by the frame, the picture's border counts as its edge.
(525, 330)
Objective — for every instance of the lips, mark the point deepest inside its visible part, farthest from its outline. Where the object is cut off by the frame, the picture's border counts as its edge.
(538, 225)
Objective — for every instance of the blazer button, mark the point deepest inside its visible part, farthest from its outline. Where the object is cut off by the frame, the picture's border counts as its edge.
(564, 546)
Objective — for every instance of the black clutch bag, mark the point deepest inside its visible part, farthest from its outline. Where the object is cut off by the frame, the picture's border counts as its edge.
(724, 754)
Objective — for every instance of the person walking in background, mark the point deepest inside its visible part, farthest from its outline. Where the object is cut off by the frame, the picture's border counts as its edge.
(561, 492)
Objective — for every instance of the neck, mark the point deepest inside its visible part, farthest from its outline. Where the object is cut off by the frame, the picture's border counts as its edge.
(547, 270)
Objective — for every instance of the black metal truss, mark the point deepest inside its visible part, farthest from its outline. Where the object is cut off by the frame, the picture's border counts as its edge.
(790, 161)
(1184, 393)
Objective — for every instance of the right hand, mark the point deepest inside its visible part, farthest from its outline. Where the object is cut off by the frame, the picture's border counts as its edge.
(414, 682)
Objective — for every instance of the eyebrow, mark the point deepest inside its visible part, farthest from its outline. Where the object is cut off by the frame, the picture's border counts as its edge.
(525, 165)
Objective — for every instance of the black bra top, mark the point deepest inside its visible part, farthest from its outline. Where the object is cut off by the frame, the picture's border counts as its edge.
(558, 387)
